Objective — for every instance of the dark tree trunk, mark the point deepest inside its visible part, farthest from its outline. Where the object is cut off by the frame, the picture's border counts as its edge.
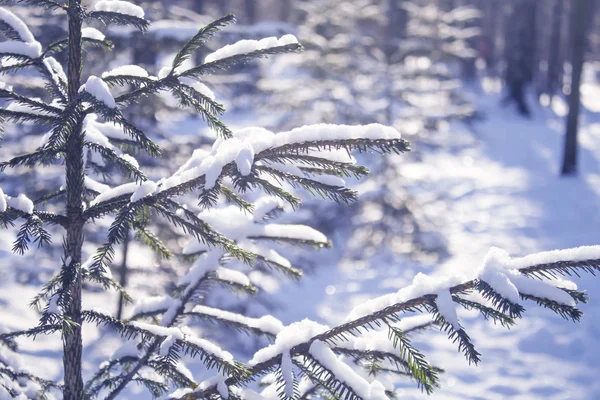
(223, 6)
(198, 6)
(123, 274)
(250, 10)
(577, 58)
(72, 343)
(520, 52)
(554, 56)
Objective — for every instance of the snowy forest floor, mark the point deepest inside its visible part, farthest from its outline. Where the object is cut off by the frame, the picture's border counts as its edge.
(493, 183)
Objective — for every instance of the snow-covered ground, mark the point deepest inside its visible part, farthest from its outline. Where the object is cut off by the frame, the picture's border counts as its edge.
(495, 183)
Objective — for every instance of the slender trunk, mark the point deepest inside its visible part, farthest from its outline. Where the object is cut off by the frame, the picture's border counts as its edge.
(71, 337)
(285, 11)
(123, 275)
(224, 6)
(197, 6)
(250, 9)
(554, 58)
(578, 52)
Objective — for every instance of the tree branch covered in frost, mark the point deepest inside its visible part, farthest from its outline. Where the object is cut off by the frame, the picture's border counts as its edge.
(504, 282)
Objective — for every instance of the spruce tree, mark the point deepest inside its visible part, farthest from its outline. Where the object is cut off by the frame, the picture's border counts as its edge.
(305, 358)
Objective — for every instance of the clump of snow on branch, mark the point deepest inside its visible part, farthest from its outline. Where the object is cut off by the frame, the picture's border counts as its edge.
(21, 203)
(498, 270)
(3, 204)
(144, 190)
(248, 46)
(92, 33)
(27, 45)
(121, 7)
(129, 70)
(30, 49)
(17, 25)
(127, 188)
(248, 142)
(289, 337)
(237, 225)
(445, 305)
(266, 323)
(345, 374)
(173, 334)
(422, 285)
(99, 89)
(56, 69)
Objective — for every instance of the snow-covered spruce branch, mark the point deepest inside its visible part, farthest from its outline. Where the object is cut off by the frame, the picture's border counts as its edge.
(503, 282)
(206, 270)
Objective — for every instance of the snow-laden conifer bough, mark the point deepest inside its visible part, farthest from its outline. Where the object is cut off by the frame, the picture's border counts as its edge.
(228, 234)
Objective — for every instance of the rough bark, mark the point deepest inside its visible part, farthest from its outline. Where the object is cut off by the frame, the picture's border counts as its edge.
(569, 166)
(71, 336)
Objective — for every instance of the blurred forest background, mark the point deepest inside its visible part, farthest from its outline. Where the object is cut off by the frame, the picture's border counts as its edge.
(488, 92)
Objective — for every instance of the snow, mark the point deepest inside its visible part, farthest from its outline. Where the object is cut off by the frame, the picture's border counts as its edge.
(206, 263)
(144, 190)
(501, 272)
(128, 349)
(345, 374)
(330, 180)
(29, 49)
(287, 372)
(422, 285)
(248, 142)
(117, 191)
(56, 69)
(289, 337)
(17, 24)
(173, 334)
(21, 203)
(540, 289)
(108, 129)
(122, 7)
(233, 276)
(99, 89)
(95, 185)
(152, 304)
(582, 253)
(130, 159)
(266, 323)
(129, 70)
(2, 201)
(237, 225)
(264, 206)
(321, 132)
(199, 86)
(447, 309)
(92, 33)
(249, 46)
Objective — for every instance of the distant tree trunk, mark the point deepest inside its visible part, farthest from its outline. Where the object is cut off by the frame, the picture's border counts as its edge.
(395, 30)
(250, 9)
(224, 7)
(285, 10)
(554, 56)
(577, 58)
(520, 52)
(123, 275)
(71, 337)
(198, 6)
